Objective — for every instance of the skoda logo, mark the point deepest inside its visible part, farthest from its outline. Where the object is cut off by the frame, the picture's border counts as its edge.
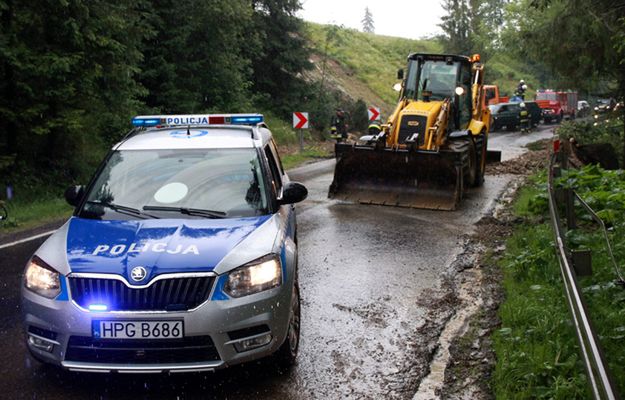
(138, 273)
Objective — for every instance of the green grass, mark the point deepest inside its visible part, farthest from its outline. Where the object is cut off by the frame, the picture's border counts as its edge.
(374, 59)
(282, 130)
(310, 154)
(505, 71)
(536, 347)
(28, 214)
(537, 353)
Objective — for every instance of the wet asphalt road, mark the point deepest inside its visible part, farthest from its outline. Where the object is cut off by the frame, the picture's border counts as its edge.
(371, 278)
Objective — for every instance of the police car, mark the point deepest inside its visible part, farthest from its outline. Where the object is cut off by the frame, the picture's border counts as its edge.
(181, 254)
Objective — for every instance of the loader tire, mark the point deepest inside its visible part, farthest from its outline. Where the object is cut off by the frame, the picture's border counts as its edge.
(481, 146)
(467, 147)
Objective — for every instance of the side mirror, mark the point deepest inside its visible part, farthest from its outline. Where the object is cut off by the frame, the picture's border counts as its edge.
(293, 192)
(74, 194)
(400, 74)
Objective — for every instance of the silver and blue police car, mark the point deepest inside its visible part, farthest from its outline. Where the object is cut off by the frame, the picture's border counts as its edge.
(181, 254)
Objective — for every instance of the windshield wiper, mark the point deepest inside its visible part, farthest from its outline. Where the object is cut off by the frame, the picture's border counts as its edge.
(120, 209)
(188, 211)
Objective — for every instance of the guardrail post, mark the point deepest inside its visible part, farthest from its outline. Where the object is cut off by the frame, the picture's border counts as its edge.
(569, 196)
(599, 376)
(582, 262)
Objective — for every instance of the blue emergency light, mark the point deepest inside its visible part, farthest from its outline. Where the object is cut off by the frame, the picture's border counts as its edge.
(201, 119)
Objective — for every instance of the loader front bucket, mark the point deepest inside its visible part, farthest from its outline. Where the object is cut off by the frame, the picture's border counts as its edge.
(400, 178)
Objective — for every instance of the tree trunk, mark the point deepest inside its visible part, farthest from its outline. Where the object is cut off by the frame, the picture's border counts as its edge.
(622, 98)
(11, 130)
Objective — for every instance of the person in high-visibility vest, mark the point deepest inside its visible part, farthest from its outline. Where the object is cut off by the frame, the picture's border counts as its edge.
(374, 128)
(524, 118)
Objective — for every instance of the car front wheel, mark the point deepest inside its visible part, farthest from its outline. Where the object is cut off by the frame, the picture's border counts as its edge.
(287, 353)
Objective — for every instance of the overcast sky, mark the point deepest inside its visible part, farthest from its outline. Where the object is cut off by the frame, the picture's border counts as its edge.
(413, 19)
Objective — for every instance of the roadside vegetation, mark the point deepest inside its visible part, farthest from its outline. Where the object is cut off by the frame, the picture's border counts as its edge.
(536, 347)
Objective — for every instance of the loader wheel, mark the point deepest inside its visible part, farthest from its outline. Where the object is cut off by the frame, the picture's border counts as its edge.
(467, 147)
(471, 173)
(481, 145)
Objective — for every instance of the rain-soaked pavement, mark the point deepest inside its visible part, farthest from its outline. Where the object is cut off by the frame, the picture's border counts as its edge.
(375, 297)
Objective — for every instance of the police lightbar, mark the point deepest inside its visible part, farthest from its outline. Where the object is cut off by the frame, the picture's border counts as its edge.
(202, 119)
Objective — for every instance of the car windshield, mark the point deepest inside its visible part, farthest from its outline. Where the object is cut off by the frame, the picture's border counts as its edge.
(438, 77)
(207, 183)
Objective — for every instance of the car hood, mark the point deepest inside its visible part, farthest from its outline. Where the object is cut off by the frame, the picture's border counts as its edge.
(160, 246)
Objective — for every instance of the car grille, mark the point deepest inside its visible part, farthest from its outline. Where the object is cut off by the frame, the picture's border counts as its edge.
(187, 350)
(171, 294)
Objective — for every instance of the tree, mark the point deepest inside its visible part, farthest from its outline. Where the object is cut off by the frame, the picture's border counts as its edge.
(367, 22)
(580, 40)
(281, 56)
(472, 26)
(67, 78)
(456, 27)
(197, 62)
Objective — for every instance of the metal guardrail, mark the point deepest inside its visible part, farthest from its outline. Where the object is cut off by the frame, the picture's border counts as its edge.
(599, 376)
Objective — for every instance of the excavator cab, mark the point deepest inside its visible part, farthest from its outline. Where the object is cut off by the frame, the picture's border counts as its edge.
(433, 145)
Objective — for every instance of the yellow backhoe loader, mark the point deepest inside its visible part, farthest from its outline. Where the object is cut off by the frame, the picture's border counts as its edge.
(433, 146)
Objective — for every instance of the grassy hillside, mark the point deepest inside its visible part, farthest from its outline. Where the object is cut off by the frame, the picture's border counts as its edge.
(506, 72)
(371, 59)
(365, 65)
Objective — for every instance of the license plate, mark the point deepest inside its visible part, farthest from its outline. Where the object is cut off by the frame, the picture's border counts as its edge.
(120, 329)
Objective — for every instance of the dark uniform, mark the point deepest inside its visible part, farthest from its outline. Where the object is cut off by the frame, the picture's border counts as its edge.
(338, 125)
(520, 89)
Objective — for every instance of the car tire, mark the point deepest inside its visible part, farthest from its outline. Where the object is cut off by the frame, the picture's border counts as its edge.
(287, 353)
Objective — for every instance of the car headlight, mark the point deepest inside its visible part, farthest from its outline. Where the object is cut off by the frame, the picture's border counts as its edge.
(596, 108)
(257, 276)
(41, 278)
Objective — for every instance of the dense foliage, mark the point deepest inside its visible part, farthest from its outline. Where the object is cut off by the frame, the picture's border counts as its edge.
(74, 71)
(536, 346)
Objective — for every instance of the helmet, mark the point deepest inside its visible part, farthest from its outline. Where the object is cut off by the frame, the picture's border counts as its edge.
(521, 81)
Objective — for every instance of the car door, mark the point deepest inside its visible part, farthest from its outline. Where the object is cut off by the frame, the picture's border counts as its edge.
(513, 115)
(279, 179)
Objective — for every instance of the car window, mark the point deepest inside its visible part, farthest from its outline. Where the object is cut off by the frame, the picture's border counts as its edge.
(276, 155)
(503, 109)
(275, 171)
(228, 181)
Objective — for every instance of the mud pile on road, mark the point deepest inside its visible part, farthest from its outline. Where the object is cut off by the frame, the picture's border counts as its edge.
(533, 160)
(471, 354)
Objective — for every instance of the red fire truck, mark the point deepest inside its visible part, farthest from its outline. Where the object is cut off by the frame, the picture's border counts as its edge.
(556, 105)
